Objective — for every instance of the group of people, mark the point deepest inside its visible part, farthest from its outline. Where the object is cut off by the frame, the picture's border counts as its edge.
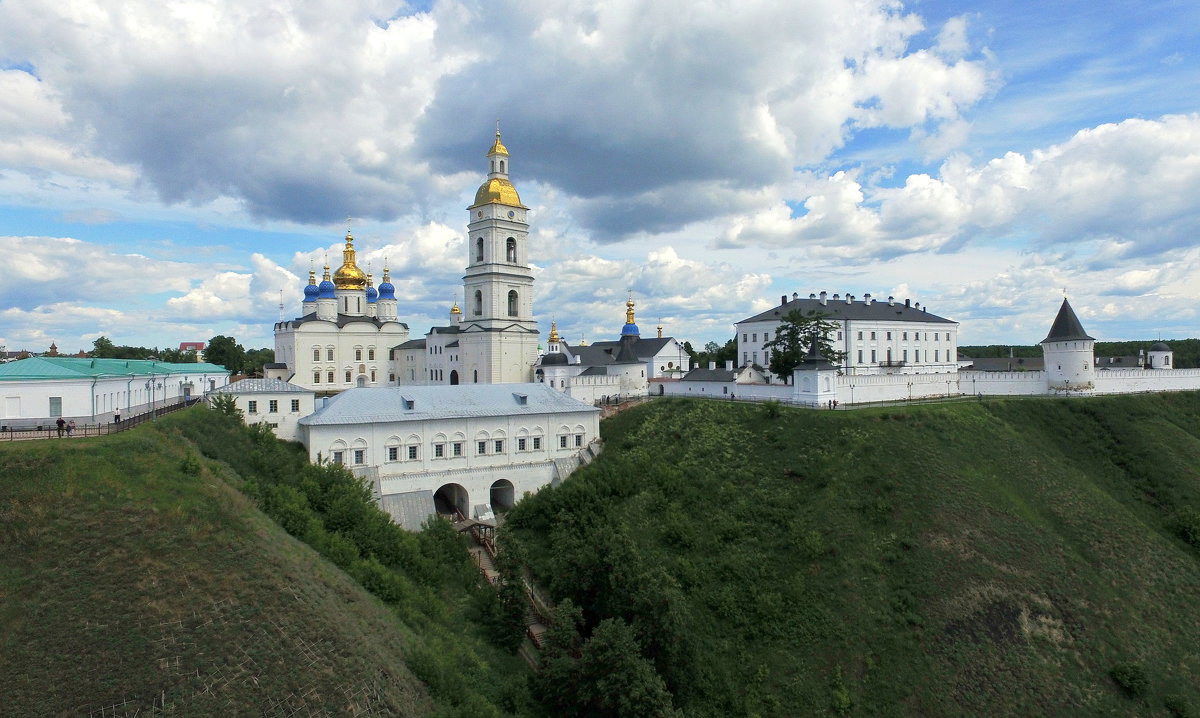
(65, 426)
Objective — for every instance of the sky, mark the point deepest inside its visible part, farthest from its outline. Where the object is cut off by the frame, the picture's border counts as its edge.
(170, 171)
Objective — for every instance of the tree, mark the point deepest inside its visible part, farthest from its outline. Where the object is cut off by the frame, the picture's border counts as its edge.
(794, 337)
(226, 352)
(256, 358)
(103, 348)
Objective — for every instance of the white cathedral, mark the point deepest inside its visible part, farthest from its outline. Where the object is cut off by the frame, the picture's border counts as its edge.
(349, 334)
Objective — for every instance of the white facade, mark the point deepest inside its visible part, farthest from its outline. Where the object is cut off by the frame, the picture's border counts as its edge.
(274, 402)
(878, 337)
(38, 390)
(464, 446)
(344, 333)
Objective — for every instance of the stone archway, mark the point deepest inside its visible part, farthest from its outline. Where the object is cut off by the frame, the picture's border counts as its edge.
(451, 499)
(453, 377)
(502, 495)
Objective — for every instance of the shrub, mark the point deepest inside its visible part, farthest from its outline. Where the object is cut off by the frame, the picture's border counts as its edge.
(1186, 525)
(1131, 677)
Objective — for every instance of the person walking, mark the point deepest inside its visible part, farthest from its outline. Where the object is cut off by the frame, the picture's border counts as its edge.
(61, 424)
(117, 416)
(70, 428)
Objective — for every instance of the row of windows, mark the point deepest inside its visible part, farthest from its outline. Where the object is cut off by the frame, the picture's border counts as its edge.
(477, 306)
(272, 406)
(358, 354)
(510, 250)
(455, 449)
(348, 375)
(937, 356)
(937, 336)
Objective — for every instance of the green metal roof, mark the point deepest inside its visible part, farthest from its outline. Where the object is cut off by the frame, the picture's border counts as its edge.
(75, 368)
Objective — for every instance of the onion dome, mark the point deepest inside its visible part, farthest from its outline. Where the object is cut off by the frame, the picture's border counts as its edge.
(497, 190)
(326, 287)
(553, 338)
(311, 290)
(630, 328)
(372, 292)
(455, 310)
(497, 147)
(1160, 347)
(386, 290)
(349, 276)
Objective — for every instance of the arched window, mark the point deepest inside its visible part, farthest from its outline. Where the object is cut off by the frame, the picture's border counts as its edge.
(511, 252)
(348, 376)
(476, 376)
(501, 166)
(479, 249)
(493, 165)
(512, 303)
(316, 354)
(478, 302)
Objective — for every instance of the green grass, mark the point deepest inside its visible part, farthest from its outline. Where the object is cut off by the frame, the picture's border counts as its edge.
(137, 575)
(998, 558)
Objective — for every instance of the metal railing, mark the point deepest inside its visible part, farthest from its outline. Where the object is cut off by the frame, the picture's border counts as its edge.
(50, 430)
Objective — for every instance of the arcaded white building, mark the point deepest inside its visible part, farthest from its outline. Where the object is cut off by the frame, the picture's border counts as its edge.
(468, 449)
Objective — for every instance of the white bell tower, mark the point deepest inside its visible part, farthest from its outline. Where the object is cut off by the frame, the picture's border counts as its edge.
(498, 335)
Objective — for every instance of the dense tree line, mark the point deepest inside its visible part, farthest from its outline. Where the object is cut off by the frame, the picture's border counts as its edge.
(221, 350)
(1187, 351)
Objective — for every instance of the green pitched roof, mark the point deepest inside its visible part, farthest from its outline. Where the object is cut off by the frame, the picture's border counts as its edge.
(75, 368)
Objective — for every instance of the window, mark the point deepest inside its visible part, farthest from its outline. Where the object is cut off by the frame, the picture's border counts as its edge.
(360, 456)
(439, 451)
(766, 336)
(744, 338)
(839, 336)
(273, 406)
(904, 336)
(520, 444)
(316, 354)
(860, 356)
(579, 440)
(56, 406)
(499, 446)
(457, 448)
(937, 355)
(478, 308)
(917, 355)
(329, 377)
(252, 407)
(905, 355)
(511, 253)
(481, 447)
(358, 354)
(371, 354)
(295, 405)
(412, 452)
(562, 441)
(537, 443)
(745, 357)
(755, 354)
(766, 357)
(393, 453)
(479, 249)
(329, 355)
(889, 336)
(316, 377)
(873, 359)
(337, 457)
(872, 336)
(512, 303)
(755, 335)
(860, 336)
(347, 376)
(372, 376)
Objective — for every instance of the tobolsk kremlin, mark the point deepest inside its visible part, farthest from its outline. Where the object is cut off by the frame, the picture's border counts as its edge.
(482, 409)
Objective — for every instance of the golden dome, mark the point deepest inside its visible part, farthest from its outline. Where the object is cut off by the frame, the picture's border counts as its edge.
(349, 276)
(455, 309)
(497, 148)
(553, 338)
(497, 191)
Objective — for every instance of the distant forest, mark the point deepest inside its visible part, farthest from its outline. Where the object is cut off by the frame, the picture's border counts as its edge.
(1187, 351)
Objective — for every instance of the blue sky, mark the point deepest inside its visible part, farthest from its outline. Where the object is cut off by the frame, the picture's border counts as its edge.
(167, 170)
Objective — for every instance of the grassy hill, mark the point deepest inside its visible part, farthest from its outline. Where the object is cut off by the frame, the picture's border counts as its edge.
(137, 577)
(1001, 558)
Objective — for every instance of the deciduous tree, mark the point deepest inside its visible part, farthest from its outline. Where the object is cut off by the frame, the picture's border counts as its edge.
(794, 338)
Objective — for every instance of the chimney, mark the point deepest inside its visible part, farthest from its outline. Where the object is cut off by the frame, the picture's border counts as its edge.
(729, 364)
(849, 299)
(908, 302)
(783, 300)
(823, 298)
(811, 295)
(891, 301)
(867, 299)
(796, 295)
(712, 365)
(917, 306)
(836, 297)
